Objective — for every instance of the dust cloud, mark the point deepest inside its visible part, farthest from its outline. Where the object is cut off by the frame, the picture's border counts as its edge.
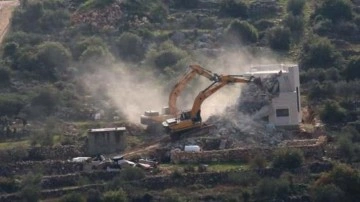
(134, 90)
(130, 89)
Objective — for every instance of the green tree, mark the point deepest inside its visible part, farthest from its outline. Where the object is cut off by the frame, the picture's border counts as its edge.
(241, 31)
(10, 49)
(318, 52)
(279, 38)
(294, 23)
(130, 47)
(335, 10)
(234, 8)
(332, 113)
(328, 193)
(54, 20)
(5, 75)
(11, 104)
(288, 158)
(295, 7)
(343, 177)
(269, 189)
(345, 148)
(352, 70)
(30, 187)
(53, 57)
(47, 98)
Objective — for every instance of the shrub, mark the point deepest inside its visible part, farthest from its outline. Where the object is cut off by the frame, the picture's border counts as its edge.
(346, 29)
(172, 195)
(295, 23)
(167, 59)
(132, 173)
(94, 195)
(167, 55)
(335, 10)
(270, 189)
(30, 187)
(318, 52)
(176, 174)
(4, 75)
(322, 91)
(242, 31)
(258, 162)
(323, 26)
(352, 70)
(345, 148)
(279, 38)
(96, 4)
(130, 47)
(185, 3)
(344, 177)
(84, 43)
(11, 104)
(295, 7)
(288, 158)
(53, 21)
(23, 38)
(47, 98)
(72, 197)
(332, 113)
(243, 179)
(10, 49)
(326, 193)
(8, 185)
(53, 57)
(94, 56)
(115, 196)
(234, 8)
(189, 169)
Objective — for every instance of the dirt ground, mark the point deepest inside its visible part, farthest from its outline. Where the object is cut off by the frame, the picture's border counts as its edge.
(6, 8)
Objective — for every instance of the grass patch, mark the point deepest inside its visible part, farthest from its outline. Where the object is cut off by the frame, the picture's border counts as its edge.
(213, 167)
(14, 144)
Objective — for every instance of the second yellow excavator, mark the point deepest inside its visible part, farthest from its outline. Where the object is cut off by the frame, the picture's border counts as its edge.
(190, 120)
(153, 118)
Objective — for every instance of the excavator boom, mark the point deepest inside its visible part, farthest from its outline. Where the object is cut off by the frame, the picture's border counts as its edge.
(154, 117)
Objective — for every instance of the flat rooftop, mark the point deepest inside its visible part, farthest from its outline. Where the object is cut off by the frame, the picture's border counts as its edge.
(99, 130)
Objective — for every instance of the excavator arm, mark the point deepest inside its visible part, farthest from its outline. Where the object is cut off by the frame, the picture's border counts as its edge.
(154, 117)
(220, 82)
(183, 81)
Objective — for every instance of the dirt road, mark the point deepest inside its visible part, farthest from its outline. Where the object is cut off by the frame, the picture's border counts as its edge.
(6, 8)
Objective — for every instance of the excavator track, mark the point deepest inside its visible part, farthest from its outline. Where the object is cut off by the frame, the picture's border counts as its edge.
(193, 132)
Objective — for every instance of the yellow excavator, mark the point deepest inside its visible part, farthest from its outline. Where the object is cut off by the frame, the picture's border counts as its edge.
(151, 118)
(191, 120)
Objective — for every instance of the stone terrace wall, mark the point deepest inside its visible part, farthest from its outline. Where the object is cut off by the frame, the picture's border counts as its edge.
(40, 153)
(48, 167)
(56, 152)
(311, 148)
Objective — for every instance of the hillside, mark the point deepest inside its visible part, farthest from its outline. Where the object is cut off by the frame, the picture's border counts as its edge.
(70, 65)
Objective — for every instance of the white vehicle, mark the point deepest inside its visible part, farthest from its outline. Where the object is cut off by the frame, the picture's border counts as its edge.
(192, 148)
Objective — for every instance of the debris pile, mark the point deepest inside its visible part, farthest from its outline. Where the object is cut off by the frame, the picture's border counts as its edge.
(107, 17)
(237, 123)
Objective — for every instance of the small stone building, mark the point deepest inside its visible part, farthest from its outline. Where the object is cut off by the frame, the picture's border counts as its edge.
(106, 140)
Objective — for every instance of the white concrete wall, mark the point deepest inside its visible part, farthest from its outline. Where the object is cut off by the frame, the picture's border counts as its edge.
(289, 96)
